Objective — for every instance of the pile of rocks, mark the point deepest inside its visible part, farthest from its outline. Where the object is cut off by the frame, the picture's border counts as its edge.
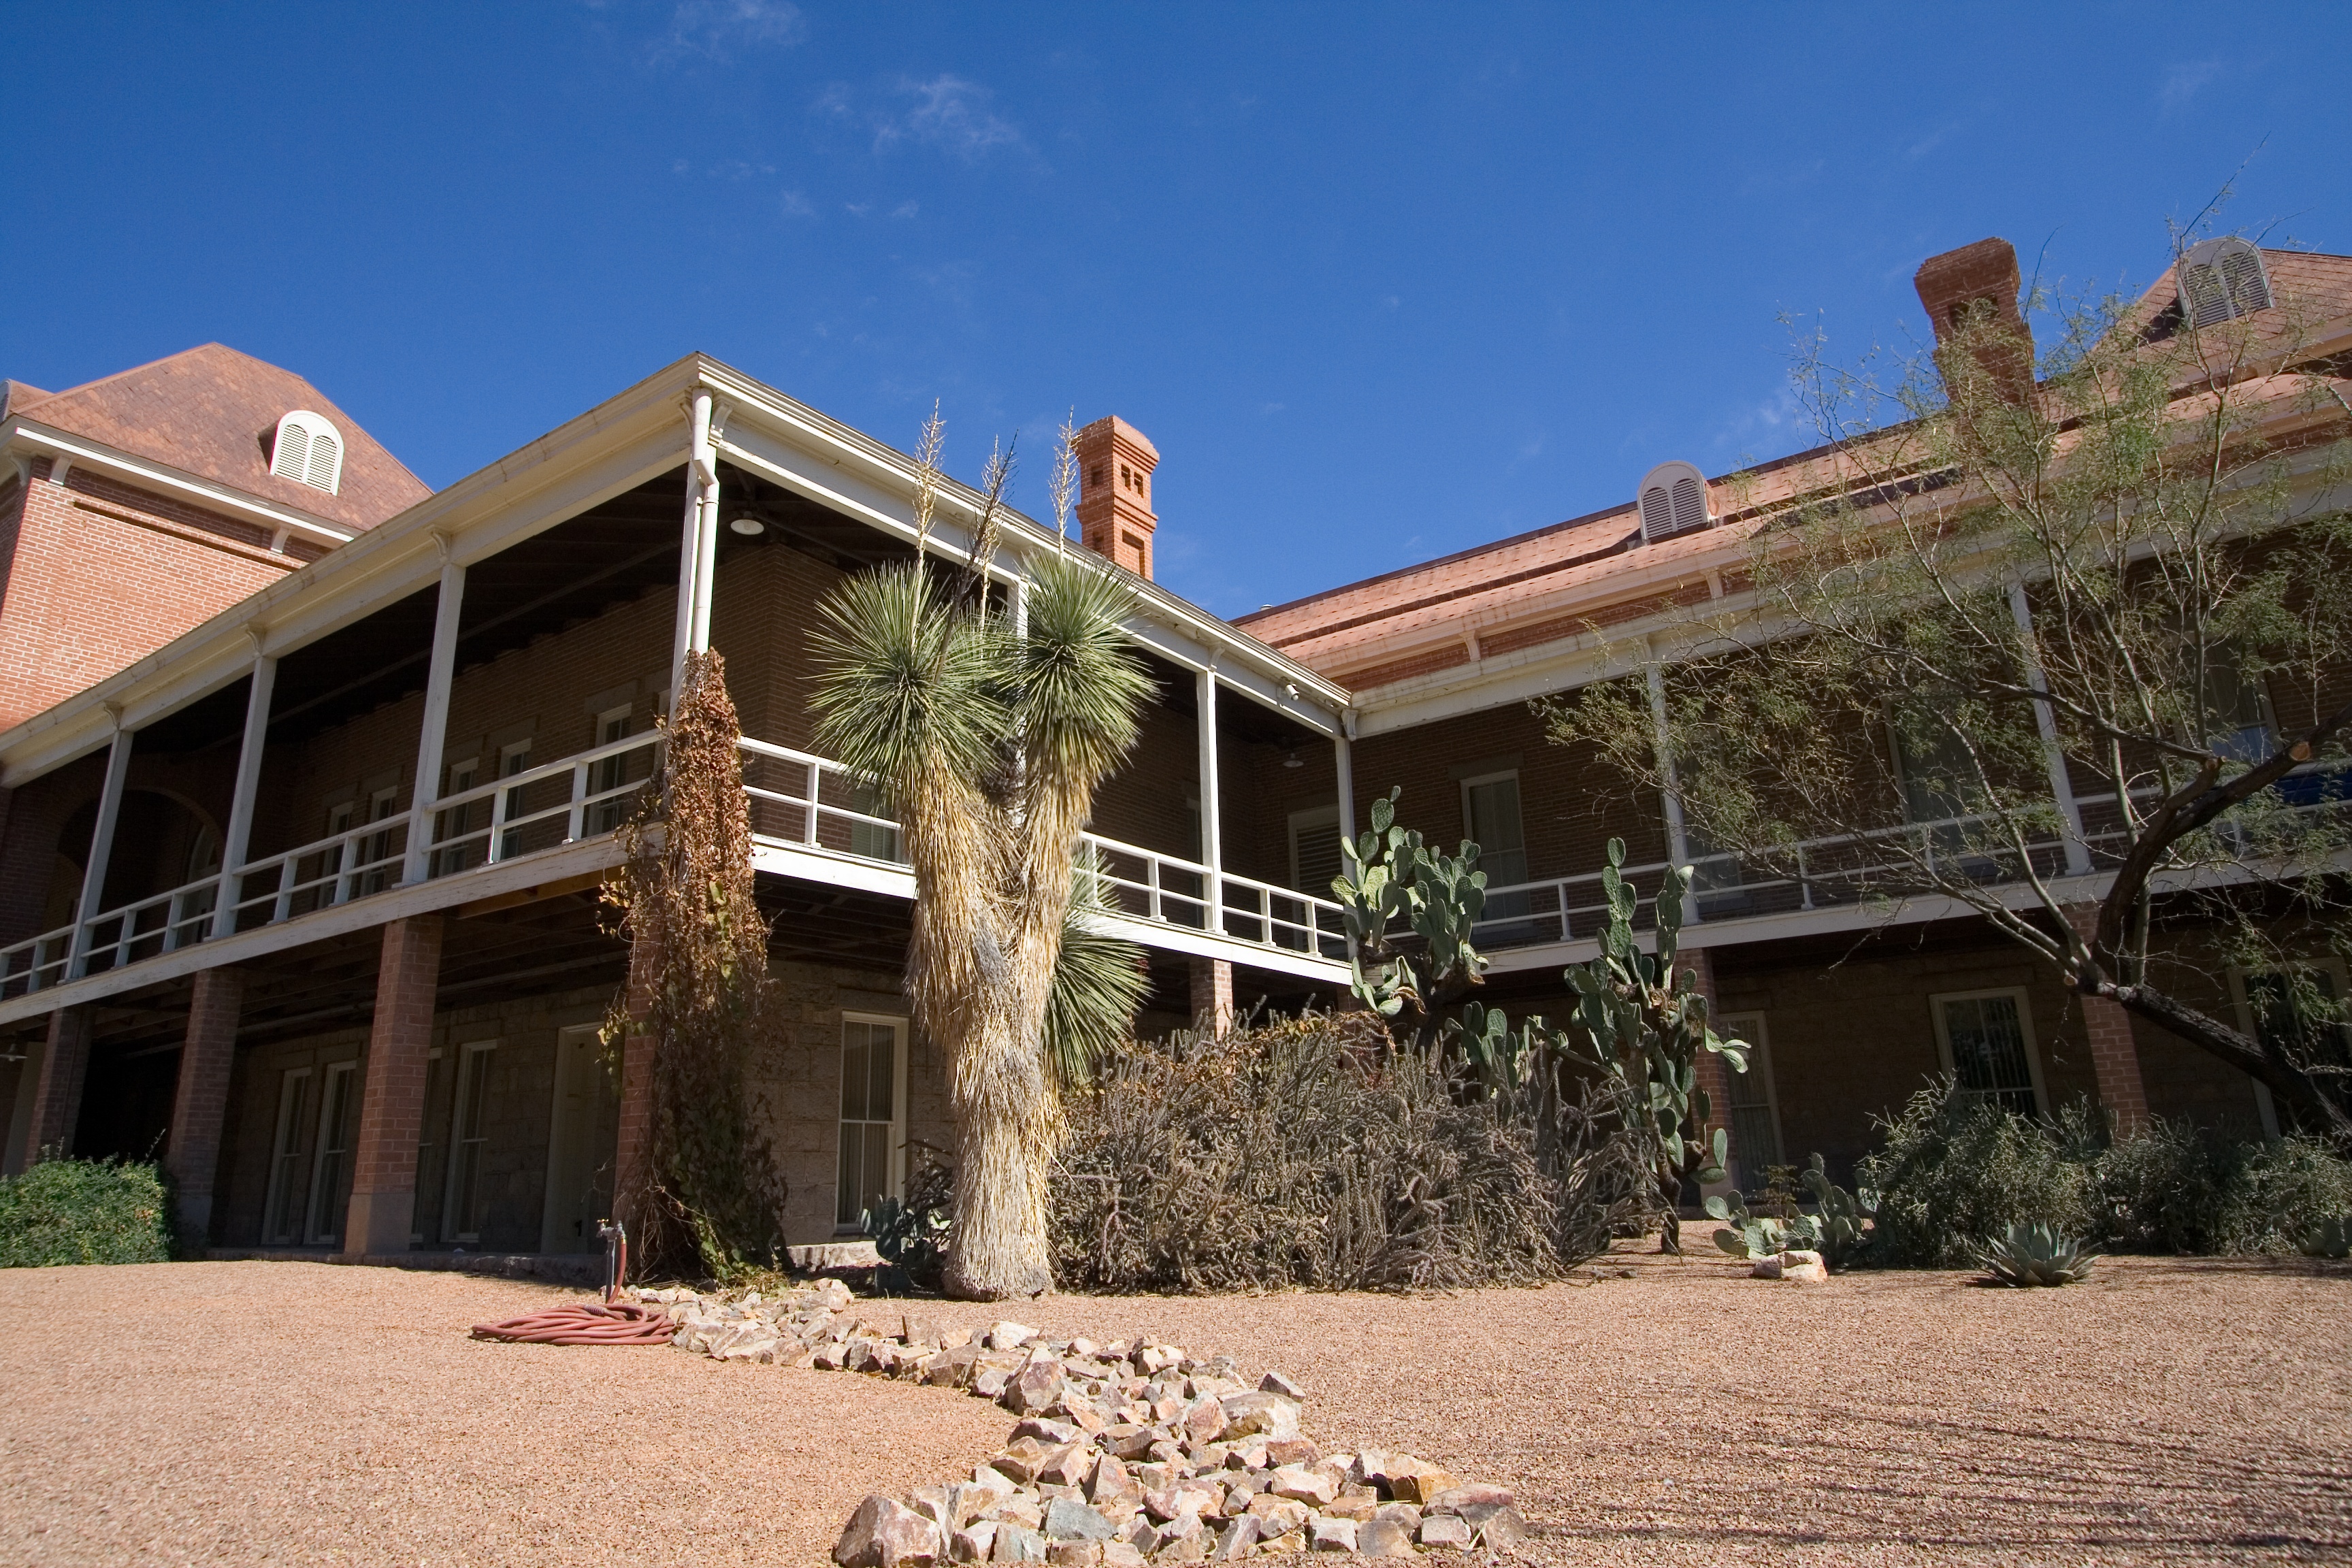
(1799, 1264)
(1125, 1452)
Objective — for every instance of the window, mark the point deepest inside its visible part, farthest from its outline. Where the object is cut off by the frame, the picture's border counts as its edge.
(512, 760)
(582, 1130)
(330, 1162)
(609, 773)
(2236, 712)
(461, 1209)
(279, 1226)
(376, 848)
(1490, 818)
(1754, 1113)
(460, 821)
(873, 1115)
(1986, 1038)
(1315, 862)
(2223, 278)
(1673, 500)
(1938, 773)
(2298, 1014)
(309, 450)
(189, 911)
(873, 840)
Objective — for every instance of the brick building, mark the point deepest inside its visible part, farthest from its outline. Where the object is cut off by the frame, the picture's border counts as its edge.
(302, 890)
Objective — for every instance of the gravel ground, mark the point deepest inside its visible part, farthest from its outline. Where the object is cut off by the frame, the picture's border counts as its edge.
(299, 1413)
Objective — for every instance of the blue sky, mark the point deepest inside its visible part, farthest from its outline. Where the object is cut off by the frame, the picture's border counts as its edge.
(1381, 281)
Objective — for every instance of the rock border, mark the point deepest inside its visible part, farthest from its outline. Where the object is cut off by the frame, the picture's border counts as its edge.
(1123, 1454)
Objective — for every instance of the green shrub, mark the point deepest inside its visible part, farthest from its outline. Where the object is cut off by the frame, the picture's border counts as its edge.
(2179, 1188)
(1956, 1172)
(84, 1211)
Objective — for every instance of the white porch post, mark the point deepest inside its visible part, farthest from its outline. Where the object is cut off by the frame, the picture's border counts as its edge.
(240, 833)
(102, 847)
(2054, 754)
(1343, 753)
(435, 734)
(1211, 839)
(698, 548)
(1671, 797)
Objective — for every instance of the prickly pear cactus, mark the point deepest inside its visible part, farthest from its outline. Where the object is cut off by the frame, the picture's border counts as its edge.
(1648, 1026)
(1390, 878)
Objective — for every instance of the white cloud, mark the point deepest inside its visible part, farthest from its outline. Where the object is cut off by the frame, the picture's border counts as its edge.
(951, 114)
(905, 209)
(718, 27)
(796, 205)
(2183, 82)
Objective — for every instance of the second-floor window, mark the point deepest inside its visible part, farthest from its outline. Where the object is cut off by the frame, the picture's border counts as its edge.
(609, 773)
(2235, 712)
(1491, 820)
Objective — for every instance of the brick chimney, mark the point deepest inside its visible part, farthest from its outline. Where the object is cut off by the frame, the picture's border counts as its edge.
(1974, 288)
(1115, 515)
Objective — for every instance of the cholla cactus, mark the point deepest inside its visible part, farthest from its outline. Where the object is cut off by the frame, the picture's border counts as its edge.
(2037, 1255)
(2329, 1237)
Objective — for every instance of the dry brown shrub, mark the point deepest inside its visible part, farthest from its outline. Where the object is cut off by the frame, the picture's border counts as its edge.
(1311, 1151)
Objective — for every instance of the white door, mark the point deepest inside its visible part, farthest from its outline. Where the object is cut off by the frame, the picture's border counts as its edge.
(584, 1133)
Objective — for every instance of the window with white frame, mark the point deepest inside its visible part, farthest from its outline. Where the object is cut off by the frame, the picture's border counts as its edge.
(2235, 709)
(1491, 820)
(609, 773)
(282, 1210)
(2298, 1014)
(513, 758)
(1315, 861)
(873, 840)
(376, 848)
(1986, 1038)
(451, 830)
(464, 1203)
(1754, 1113)
(1939, 774)
(873, 1115)
(332, 1151)
(308, 450)
(2222, 278)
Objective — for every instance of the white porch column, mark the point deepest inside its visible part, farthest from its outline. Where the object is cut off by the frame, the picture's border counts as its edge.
(1212, 853)
(698, 549)
(435, 733)
(1671, 797)
(102, 847)
(238, 837)
(1343, 754)
(2054, 754)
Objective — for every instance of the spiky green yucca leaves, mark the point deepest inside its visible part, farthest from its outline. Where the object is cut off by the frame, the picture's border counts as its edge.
(1097, 985)
(2037, 1255)
(988, 744)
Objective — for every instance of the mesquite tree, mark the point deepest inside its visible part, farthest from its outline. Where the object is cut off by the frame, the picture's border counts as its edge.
(987, 739)
(2124, 572)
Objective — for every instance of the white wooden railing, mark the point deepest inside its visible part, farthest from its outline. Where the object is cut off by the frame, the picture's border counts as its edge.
(1845, 871)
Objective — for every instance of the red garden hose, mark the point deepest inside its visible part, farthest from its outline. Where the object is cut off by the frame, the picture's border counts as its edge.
(614, 1323)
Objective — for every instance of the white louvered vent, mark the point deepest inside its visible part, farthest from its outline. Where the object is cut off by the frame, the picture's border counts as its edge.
(309, 450)
(1673, 501)
(2222, 278)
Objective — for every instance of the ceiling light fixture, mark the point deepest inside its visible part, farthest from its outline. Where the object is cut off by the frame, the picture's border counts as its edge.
(748, 526)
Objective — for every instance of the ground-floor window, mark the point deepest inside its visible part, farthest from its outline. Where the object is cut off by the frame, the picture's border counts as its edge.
(583, 1130)
(1754, 1113)
(461, 1210)
(1986, 1038)
(280, 1223)
(873, 1115)
(429, 1150)
(330, 1162)
(2298, 1014)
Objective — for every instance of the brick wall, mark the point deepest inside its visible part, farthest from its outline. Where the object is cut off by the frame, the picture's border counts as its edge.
(98, 574)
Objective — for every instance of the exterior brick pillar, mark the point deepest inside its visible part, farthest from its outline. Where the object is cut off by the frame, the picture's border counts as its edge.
(2114, 1056)
(1714, 1075)
(200, 1102)
(391, 1108)
(1213, 993)
(57, 1094)
(634, 1146)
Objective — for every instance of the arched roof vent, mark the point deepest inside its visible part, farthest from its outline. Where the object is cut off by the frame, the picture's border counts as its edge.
(2220, 278)
(309, 450)
(1673, 501)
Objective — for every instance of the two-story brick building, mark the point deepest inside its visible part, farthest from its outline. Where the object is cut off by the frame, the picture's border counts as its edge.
(302, 891)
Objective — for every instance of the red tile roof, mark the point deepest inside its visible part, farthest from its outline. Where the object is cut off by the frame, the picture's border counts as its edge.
(212, 412)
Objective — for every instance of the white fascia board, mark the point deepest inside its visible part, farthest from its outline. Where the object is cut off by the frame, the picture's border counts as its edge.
(850, 473)
(523, 872)
(612, 449)
(781, 857)
(146, 472)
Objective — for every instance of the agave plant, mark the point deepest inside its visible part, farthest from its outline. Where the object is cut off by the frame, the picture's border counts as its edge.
(2037, 1255)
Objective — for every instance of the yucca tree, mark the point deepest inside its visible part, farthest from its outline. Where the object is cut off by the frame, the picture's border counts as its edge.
(987, 739)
